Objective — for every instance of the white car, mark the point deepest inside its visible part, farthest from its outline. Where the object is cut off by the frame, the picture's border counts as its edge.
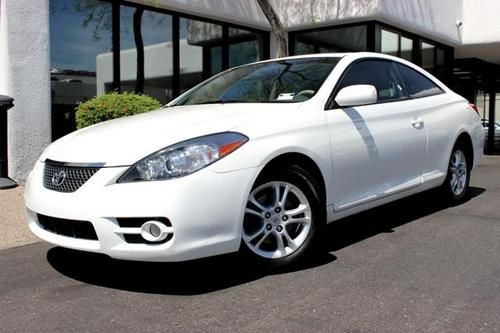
(258, 158)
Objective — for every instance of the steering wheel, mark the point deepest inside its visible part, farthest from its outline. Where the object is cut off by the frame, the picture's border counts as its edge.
(304, 95)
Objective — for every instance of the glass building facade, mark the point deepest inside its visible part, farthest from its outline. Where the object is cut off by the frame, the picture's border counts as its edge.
(375, 37)
(474, 79)
(99, 46)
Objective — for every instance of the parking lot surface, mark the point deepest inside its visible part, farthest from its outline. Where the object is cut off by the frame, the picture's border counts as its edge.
(415, 265)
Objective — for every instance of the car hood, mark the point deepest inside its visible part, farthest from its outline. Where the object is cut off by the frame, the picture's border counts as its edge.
(122, 142)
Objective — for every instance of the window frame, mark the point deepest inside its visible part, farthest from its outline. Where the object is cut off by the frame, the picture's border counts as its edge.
(178, 99)
(263, 39)
(369, 25)
(396, 32)
(332, 105)
(434, 54)
(373, 43)
(401, 34)
(441, 90)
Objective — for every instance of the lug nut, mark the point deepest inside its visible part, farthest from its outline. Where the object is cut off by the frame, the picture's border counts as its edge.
(267, 215)
(279, 228)
(284, 218)
(277, 210)
(269, 227)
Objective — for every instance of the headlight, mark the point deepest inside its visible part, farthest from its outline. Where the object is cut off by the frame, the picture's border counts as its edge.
(184, 158)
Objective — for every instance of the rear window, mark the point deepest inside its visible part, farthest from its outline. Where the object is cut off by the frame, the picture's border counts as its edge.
(418, 85)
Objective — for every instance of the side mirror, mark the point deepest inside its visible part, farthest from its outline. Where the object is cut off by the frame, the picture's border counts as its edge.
(359, 94)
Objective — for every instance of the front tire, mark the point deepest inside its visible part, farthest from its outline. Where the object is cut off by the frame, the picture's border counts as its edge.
(282, 219)
(457, 180)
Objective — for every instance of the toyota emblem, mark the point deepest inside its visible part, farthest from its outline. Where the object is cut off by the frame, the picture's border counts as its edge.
(58, 178)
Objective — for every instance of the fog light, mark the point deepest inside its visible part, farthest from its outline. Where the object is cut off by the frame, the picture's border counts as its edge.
(154, 231)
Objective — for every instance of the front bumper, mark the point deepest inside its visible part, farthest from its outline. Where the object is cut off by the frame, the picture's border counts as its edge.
(205, 209)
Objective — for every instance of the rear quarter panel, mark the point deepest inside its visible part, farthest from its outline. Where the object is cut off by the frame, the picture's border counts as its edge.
(446, 116)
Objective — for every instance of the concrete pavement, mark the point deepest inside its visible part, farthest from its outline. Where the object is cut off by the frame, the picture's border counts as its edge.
(410, 266)
(13, 229)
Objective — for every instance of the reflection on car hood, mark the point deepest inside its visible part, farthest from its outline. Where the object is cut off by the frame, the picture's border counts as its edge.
(125, 141)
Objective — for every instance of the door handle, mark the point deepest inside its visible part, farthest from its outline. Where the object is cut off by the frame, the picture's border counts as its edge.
(417, 122)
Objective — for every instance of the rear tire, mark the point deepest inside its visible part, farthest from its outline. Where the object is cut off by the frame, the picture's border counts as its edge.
(283, 218)
(456, 185)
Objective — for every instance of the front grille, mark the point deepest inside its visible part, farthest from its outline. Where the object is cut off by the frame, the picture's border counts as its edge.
(67, 179)
(69, 228)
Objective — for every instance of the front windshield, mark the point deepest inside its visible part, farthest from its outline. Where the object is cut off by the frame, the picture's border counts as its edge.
(282, 81)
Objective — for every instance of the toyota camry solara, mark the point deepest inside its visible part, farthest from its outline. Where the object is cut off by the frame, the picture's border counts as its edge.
(256, 159)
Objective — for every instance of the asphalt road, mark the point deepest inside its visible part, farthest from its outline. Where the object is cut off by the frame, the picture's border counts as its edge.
(411, 266)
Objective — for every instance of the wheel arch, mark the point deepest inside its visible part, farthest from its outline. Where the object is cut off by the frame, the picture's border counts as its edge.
(303, 161)
(464, 140)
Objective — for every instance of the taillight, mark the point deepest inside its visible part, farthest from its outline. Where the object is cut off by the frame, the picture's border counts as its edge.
(474, 107)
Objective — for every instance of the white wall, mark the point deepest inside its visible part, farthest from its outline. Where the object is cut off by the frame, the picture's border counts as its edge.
(433, 18)
(481, 21)
(246, 12)
(24, 75)
(480, 30)
(300, 14)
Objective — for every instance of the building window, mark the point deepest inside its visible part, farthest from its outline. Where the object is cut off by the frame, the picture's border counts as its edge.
(146, 64)
(440, 57)
(395, 44)
(243, 47)
(197, 61)
(390, 43)
(215, 60)
(430, 55)
(155, 52)
(406, 49)
(208, 48)
(78, 34)
(428, 59)
(342, 39)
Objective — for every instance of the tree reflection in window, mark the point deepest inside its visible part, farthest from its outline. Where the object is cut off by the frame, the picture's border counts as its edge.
(292, 80)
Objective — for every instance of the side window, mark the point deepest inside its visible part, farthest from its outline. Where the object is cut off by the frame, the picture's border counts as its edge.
(417, 84)
(379, 73)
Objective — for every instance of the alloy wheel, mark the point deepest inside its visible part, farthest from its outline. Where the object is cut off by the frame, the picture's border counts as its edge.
(458, 172)
(277, 220)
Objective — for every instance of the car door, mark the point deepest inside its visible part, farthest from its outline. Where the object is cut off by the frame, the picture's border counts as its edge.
(378, 149)
(442, 114)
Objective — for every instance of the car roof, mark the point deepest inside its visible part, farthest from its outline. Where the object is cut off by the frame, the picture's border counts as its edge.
(349, 57)
(340, 55)
(353, 56)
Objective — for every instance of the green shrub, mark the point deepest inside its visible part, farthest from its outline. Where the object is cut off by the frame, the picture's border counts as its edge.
(111, 106)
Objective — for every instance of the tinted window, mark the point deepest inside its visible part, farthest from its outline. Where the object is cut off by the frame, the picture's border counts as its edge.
(417, 84)
(381, 74)
(428, 51)
(331, 40)
(389, 43)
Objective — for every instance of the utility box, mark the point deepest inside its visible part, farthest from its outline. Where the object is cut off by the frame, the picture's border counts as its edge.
(6, 103)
